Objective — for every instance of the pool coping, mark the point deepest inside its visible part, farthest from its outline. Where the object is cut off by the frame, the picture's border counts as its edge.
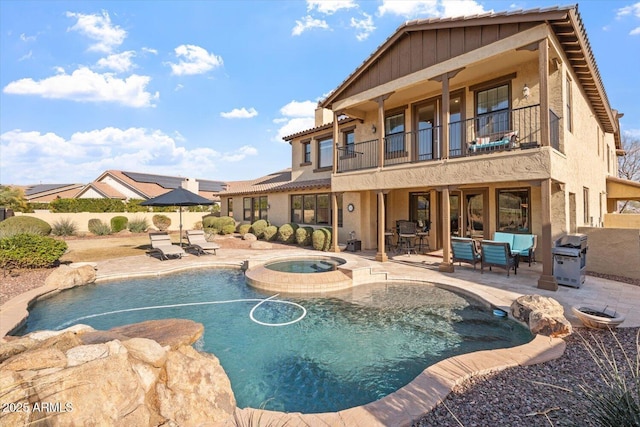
(400, 408)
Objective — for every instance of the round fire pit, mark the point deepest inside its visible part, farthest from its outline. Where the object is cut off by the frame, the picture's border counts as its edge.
(596, 318)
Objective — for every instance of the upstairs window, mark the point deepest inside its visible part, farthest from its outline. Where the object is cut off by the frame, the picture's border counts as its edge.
(325, 153)
(349, 142)
(394, 133)
(492, 110)
(569, 106)
(306, 152)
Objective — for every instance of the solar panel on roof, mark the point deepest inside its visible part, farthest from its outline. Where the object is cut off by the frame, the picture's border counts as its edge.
(41, 188)
(172, 182)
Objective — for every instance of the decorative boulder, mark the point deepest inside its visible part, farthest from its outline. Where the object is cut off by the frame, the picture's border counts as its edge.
(544, 315)
(65, 277)
(128, 380)
(249, 237)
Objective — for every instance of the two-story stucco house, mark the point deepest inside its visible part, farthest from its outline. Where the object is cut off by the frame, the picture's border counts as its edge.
(472, 125)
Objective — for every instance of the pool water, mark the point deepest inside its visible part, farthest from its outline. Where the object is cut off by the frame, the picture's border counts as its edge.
(345, 351)
(306, 265)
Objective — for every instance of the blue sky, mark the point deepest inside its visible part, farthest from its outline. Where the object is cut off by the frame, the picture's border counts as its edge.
(207, 89)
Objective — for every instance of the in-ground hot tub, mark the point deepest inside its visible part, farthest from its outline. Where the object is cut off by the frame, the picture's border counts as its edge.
(301, 274)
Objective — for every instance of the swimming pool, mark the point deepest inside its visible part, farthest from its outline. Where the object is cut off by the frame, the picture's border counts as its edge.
(347, 350)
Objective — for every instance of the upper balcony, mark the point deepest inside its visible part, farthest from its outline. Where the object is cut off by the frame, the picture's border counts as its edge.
(506, 130)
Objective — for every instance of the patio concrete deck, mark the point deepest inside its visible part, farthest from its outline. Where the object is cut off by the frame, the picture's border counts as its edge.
(430, 387)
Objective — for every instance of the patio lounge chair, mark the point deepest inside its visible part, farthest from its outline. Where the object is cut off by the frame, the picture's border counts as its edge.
(161, 244)
(464, 250)
(199, 244)
(498, 254)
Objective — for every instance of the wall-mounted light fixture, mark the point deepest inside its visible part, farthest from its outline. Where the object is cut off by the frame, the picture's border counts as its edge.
(373, 129)
(525, 91)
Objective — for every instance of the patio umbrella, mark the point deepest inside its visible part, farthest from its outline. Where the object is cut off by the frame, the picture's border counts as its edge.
(178, 197)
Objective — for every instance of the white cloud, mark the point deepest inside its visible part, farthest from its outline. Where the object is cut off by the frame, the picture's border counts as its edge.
(329, 7)
(299, 109)
(461, 8)
(364, 26)
(240, 113)
(308, 23)
(100, 29)
(634, 10)
(26, 56)
(430, 8)
(119, 62)
(84, 85)
(298, 116)
(194, 60)
(150, 50)
(409, 8)
(30, 157)
(26, 38)
(239, 154)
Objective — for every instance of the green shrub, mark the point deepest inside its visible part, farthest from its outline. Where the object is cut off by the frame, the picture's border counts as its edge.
(119, 223)
(24, 224)
(303, 236)
(321, 239)
(270, 233)
(138, 225)
(64, 227)
(198, 225)
(99, 228)
(161, 222)
(219, 224)
(287, 233)
(30, 251)
(257, 228)
(228, 229)
(244, 229)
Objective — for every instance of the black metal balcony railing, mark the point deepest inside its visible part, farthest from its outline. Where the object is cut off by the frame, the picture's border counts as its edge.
(498, 131)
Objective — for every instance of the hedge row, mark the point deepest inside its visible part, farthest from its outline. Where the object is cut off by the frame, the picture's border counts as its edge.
(112, 205)
(319, 238)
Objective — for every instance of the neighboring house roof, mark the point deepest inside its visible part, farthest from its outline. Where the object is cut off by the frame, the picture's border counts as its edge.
(275, 182)
(103, 189)
(49, 192)
(146, 185)
(564, 21)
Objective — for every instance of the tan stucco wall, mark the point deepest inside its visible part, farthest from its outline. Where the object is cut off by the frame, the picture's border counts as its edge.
(613, 251)
(616, 220)
(81, 219)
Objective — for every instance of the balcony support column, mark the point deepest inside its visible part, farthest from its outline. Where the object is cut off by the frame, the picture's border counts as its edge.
(381, 255)
(381, 130)
(547, 280)
(446, 265)
(444, 121)
(543, 71)
(336, 136)
(334, 223)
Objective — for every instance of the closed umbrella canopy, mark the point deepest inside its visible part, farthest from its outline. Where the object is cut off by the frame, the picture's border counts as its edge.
(178, 197)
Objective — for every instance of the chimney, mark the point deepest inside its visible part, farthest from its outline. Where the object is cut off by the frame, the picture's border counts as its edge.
(323, 116)
(191, 184)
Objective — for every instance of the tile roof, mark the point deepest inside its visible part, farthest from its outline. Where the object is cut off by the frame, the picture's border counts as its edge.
(565, 22)
(277, 181)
